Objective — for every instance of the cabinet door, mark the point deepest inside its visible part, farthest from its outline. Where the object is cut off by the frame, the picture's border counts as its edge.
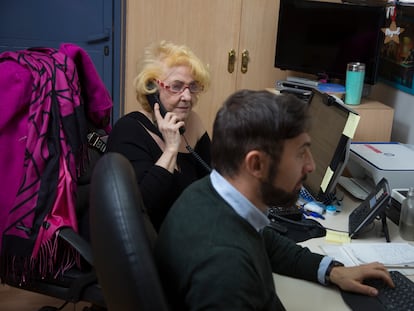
(258, 37)
(211, 29)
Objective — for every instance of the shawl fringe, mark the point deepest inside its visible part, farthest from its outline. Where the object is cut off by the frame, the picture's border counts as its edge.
(55, 257)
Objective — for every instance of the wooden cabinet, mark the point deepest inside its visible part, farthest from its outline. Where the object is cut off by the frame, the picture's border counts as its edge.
(376, 121)
(212, 29)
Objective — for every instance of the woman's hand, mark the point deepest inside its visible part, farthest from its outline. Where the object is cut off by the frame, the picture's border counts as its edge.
(351, 278)
(169, 127)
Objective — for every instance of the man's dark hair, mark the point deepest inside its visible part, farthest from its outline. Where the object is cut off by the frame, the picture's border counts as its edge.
(255, 120)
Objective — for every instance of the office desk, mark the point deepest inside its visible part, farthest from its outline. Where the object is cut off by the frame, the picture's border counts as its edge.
(303, 295)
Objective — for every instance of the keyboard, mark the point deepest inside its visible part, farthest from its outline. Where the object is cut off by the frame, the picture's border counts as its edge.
(357, 217)
(400, 298)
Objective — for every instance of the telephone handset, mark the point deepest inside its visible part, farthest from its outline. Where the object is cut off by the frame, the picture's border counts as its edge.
(154, 98)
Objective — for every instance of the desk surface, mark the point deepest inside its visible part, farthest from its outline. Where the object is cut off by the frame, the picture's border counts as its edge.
(301, 295)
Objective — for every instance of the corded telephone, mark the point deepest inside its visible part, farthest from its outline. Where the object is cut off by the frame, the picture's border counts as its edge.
(297, 230)
(154, 98)
(374, 206)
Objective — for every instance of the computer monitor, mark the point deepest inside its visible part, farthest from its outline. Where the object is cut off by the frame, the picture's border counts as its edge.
(332, 129)
(321, 37)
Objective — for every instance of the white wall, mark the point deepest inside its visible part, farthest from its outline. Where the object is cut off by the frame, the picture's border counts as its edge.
(403, 104)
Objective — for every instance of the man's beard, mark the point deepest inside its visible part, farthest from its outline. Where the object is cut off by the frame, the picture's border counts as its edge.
(274, 196)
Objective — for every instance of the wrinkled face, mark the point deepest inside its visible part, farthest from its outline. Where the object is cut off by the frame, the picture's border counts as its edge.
(177, 91)
(285, 181)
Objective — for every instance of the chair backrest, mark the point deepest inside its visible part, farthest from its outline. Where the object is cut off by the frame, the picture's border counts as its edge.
(121, 238)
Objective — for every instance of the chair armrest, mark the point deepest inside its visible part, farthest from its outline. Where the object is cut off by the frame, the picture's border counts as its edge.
(79, 243)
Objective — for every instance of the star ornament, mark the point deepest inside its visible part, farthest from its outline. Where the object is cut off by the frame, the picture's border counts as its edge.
(392, 33)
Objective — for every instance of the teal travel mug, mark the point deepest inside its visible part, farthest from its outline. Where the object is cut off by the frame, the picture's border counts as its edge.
(354, 83)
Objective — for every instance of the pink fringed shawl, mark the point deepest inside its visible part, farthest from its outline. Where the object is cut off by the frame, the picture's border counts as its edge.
(45, 129)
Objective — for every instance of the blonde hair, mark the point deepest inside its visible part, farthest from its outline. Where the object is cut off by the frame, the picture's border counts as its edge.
(157, 57)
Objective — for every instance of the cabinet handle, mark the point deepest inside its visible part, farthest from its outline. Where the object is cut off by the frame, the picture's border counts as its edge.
(231, 61)
(245, 61)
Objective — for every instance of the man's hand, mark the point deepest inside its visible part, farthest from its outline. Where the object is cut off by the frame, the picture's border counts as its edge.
(351, 278)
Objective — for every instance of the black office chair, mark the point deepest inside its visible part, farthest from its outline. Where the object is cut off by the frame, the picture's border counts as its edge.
(122, 239)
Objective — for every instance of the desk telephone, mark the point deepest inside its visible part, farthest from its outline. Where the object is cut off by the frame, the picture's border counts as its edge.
(374, 206)
(154, 98)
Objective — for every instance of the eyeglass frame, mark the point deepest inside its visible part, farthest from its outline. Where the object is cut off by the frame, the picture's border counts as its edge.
(167, 87)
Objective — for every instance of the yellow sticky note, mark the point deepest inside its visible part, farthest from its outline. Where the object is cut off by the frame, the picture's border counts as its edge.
(326, 179)
(351, 125)
(337, 237)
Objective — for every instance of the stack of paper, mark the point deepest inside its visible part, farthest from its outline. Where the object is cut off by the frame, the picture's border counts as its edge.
(392, 255)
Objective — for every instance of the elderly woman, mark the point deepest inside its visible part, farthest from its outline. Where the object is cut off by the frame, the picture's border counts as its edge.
(154, 142)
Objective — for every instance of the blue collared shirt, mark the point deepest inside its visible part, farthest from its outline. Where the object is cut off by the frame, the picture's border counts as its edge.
(238, 202)
(255, 217)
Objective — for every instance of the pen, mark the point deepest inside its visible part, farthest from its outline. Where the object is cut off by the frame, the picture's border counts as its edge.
(314, 214)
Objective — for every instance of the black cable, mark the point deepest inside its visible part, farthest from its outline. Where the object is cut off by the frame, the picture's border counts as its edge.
(196, 155)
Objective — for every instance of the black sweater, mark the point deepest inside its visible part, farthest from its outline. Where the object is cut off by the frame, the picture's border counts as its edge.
(159, 187)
